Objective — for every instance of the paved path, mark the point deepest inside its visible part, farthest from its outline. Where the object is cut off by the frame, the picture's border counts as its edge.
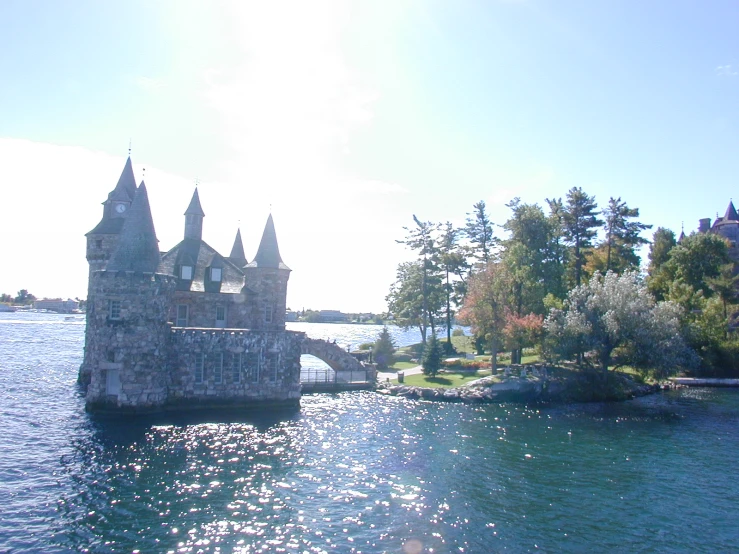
(383, 376)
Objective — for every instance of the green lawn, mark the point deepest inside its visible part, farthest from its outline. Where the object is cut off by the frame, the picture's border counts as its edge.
(444, 380)
(400, 366)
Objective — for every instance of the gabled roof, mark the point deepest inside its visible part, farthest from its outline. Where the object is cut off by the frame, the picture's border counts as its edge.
(237, 255)
(138, 247)
(268, 254)
(202, 256)
(195, 207)
(125, 190)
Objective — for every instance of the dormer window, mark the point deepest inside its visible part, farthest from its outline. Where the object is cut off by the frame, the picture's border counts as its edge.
(186, 272)
(215, 274)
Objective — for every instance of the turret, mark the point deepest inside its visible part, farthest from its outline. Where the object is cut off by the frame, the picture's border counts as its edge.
(237, 256)
(194, 218)
(127, 331)
(267, 276)
(103, 239)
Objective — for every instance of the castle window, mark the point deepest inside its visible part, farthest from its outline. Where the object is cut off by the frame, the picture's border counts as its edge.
(215, 274)
(218, 369)
(268, 313)
(252, 366)
(236, 368)
(186, 272)
(114, 309)
(182, 310)
(199, 368)
(99, 244)
(220, 316)
(111, 356)
(112, 382)
(273, 362)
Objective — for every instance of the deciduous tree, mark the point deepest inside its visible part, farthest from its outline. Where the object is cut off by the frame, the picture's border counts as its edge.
(615, 313)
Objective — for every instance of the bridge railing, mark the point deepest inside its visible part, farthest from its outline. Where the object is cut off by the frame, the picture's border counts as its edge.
(329, 376)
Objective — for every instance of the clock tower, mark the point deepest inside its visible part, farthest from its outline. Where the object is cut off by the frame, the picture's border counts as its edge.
(103, 239)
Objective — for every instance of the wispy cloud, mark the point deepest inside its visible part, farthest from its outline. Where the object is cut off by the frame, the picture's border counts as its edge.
(727, 70)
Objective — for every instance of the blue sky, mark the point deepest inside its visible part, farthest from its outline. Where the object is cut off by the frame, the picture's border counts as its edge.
(346, 118)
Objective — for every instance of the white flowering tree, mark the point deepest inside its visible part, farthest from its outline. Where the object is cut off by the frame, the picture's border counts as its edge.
(616, 314)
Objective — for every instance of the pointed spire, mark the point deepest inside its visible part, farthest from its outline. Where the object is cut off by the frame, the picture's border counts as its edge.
(138, 247)
(268, 254)
(731, 214)
(126, 187)
(194, 218)
(237, 252)
(195, 207)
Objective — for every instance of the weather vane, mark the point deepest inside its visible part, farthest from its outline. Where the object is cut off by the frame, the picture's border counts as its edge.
(129, 148)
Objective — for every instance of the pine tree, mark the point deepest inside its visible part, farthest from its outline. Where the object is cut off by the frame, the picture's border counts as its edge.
(431, 360)
(580, 227)
(384, 350)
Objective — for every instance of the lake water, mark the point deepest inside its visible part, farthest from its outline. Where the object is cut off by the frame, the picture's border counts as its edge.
(356, 472)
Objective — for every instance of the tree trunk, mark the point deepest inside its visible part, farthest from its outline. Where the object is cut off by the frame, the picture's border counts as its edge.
(494, 355)
(448, 315)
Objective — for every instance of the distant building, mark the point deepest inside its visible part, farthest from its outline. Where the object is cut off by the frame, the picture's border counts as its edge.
(56, 305)
(332, 316)
(726, 226)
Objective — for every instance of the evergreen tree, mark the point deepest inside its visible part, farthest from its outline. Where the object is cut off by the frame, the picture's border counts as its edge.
(622, 236)
(432, 357)
(421, 238)
(384, 350)
(453, 265)
(479, 231)
(580, 225)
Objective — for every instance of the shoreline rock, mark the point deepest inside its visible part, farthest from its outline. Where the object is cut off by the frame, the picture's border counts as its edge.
(581, 386)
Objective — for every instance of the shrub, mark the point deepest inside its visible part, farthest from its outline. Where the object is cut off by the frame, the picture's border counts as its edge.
(384, 350)
(458, 332)
(432, 358)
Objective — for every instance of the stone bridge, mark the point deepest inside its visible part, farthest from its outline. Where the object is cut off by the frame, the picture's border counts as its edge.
(336, 357)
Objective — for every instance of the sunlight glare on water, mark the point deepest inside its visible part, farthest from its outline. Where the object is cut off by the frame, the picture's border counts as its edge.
(356, 472)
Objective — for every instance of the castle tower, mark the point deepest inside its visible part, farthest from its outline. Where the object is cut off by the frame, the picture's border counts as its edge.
(237, 255)
(127, 334)
(194, 218)
(267, 275)
(103, 239)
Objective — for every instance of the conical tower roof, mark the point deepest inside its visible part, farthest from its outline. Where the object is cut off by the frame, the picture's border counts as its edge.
(268, 254)
(138, 247)
(731, 214)
(237, 252)
(125, 190)
(195, 207)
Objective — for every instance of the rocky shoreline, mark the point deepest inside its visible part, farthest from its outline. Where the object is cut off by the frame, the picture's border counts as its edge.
(563, 386)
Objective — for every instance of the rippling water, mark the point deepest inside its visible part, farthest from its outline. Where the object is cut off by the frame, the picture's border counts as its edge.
(356, 472)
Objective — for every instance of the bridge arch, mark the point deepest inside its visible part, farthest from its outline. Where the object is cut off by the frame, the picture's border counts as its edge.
(335, 357)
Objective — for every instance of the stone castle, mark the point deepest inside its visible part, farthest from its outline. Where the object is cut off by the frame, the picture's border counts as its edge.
(726, 226)
(188, 327)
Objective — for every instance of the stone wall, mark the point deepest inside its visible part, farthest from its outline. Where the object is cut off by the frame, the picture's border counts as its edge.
(201, 306)
(127, 351)
(234, 367)
(270, 284)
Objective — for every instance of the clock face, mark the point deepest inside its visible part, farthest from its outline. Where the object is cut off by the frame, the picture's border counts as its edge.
(120, 208)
